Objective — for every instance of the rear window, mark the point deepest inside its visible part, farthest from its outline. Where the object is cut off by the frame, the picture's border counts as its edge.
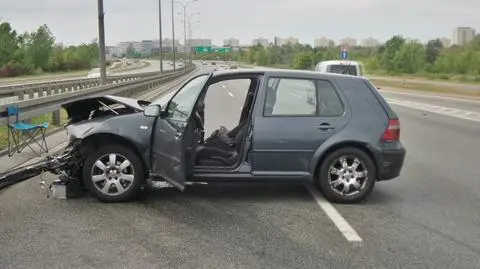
(343, 69)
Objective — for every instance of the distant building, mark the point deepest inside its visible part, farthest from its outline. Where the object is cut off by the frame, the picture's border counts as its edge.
(144, 47)
(463, 35)
(123, 47)
(370, 42)
(349, 42)
(260, 41)
(279, 41)
(446, 42)
(231, 42)
(323, 42)
(199, 42)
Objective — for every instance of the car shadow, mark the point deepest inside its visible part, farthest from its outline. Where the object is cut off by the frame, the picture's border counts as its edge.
(230, 192)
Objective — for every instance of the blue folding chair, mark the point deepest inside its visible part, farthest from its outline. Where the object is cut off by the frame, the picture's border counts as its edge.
(22, 134)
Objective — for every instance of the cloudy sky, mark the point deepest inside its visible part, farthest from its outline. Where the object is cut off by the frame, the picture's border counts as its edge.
(75, 21)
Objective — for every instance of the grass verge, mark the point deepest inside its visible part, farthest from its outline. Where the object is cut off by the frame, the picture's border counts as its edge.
(40, 119)
(424, 87)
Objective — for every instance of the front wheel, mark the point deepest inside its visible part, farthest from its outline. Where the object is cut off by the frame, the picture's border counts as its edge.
(346, 175)
(113, 173)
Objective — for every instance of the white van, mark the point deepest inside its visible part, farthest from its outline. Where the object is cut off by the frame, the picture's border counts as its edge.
(341, 67)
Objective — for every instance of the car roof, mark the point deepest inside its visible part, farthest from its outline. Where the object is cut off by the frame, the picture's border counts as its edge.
(339, 62)
(275, 72)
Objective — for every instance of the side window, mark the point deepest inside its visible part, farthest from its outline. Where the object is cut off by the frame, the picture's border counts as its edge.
(181, 105)
(292, 97)
(329, 103)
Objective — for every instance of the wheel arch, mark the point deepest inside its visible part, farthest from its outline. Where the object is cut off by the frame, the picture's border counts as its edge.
(104, 139)
(331, 148)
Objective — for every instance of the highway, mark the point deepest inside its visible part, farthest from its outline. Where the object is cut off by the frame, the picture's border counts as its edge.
(133, 69)
(426, 218)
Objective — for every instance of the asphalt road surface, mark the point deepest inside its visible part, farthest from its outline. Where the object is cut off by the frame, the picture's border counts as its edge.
(426, 218)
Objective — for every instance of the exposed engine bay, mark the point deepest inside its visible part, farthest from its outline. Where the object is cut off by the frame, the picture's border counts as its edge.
(68, 163)
(87, 109)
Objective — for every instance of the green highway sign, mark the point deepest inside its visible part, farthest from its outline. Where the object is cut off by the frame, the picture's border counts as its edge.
(222, 50)
(202, 49)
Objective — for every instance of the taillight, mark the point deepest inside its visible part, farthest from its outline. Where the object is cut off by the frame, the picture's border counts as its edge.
(393, 131)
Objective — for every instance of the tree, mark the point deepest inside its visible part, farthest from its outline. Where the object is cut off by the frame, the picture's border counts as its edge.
(303, 60)
(433, 50)
(410, 58)
(39, 47)
(391, 49)
(9, 43)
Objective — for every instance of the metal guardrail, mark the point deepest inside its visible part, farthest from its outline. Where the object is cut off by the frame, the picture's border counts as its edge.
(125, 86)
(13, 93)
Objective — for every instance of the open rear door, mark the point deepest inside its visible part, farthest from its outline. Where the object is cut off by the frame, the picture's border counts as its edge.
(173, 133)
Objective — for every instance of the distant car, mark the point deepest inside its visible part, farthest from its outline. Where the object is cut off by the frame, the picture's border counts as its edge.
(343, 140)
(94, 73)
(341, 67)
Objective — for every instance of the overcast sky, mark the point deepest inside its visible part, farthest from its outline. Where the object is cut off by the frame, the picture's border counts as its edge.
(75, 21)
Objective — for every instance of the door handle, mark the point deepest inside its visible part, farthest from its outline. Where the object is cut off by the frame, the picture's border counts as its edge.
(325, 127)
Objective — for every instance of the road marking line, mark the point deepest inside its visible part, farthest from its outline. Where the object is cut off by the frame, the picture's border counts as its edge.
(295, 95)
(446, 111)
(348, 232)
(448, 98)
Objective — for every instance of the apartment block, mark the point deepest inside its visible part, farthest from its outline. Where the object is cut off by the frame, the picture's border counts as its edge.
(349, 42)
(279, 41)
(370, 42)
(323, 42)
(463, 35)
(231, 42)
(260, 41)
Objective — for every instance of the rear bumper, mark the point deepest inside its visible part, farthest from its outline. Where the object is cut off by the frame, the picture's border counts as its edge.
(390, 163)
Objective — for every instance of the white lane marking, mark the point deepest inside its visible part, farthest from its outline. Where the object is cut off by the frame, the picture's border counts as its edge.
(295, 95)
(225, 88)
(348, 232)
(447, 98)
(446, 111)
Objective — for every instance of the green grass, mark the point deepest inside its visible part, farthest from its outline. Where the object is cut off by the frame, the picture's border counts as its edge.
(40, 119)
(424, 87)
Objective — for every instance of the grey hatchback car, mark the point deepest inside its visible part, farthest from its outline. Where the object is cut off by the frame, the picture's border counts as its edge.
(334, 130)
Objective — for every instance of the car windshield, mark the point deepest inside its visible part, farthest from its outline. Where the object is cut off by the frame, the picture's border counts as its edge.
(343, 69)
(186, 96)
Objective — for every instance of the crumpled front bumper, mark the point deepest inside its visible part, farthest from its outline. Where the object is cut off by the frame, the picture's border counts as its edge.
(54, 163)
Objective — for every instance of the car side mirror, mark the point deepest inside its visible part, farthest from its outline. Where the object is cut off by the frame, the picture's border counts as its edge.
(152, 110)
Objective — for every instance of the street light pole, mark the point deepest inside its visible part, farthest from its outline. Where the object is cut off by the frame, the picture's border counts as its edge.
(184, 28)
(160, 51)
(185, 35)
(173, 35)
(101, 43)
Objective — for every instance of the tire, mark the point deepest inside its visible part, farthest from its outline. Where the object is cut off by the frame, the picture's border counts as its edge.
(131, 178)
(326, 175)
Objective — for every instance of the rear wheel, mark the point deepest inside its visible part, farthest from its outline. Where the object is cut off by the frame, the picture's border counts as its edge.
(347, 175)
(113, 173)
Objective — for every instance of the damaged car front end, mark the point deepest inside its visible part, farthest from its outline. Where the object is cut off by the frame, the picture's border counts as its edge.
(92, 123)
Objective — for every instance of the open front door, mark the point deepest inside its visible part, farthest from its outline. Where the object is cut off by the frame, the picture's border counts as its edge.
(173, 131)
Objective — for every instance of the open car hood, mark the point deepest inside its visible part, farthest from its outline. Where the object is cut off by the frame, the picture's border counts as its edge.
(81, 108)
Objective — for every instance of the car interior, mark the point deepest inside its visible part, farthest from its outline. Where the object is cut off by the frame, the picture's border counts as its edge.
(223, 148)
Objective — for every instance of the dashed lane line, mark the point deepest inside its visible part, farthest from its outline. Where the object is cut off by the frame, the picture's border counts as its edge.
(446, 111)
(343, 226)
